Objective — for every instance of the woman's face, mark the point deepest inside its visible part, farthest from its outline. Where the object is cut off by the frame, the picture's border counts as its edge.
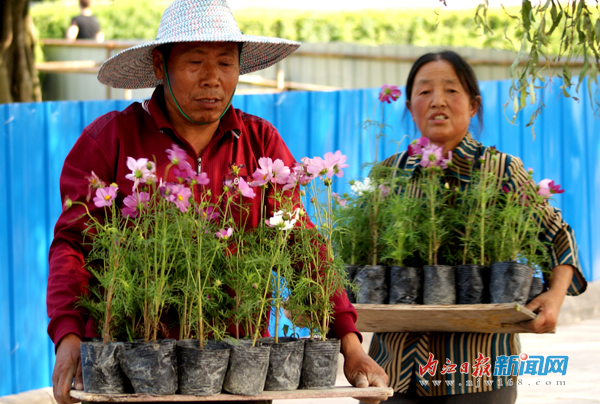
(440, 106)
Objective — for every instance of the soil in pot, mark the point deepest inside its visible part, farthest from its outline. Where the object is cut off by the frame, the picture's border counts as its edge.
(285, 363)
(151, 367)
(247, 370)
(201, 371)
(537, 287)
(351, 271)
(439, 285)
(406, 285)
(510, 282)
(319, 367)
(372, 285)
(472, 284)
(100, 368)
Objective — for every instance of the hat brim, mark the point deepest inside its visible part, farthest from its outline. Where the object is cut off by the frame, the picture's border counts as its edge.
(133, 67)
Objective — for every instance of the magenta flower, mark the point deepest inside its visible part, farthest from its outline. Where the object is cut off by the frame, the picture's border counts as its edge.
(177, 155)
(180, 196)
(339, 199)
(105, 196)
(245, 189)
(389, 93)
(547, 188)
(415, 148)
(224, 234)
(135, 204)
(209, 213)
(142, 171)
(384, 190)
(432, 156)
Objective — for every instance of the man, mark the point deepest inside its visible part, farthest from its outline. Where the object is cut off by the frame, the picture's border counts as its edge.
(199, 54)
(85, 25)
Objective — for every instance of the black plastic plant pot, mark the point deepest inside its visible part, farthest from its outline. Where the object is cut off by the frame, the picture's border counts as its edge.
(537, 287)
(285, 363)
(351, 271)
(372, 285)
(201, 371)
(472, 284)
(510, 282)
(151, 367)
(247, 370)
(319, 367)
(100, 368)
(406, 285)
(439, 284)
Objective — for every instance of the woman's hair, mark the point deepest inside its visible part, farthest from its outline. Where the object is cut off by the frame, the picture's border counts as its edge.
(463, 70)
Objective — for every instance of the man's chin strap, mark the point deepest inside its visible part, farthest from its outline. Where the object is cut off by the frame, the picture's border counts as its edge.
(179, 108)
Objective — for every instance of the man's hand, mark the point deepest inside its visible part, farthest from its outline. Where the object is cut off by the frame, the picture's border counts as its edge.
(67, 366)
(360, 369)
(548, 304)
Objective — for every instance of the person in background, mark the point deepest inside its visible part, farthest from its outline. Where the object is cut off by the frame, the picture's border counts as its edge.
(442, 96)
(85, 25)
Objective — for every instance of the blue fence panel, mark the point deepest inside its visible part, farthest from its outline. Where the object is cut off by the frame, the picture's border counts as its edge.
(35, 139)
(6, 302)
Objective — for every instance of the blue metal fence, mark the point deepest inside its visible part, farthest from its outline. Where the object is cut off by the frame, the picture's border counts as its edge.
(35, 139)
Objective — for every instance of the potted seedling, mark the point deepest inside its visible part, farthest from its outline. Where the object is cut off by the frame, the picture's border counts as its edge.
(400, 218)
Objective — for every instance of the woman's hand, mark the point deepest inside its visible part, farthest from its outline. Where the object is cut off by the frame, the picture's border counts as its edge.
(360, 369)
(548, 304)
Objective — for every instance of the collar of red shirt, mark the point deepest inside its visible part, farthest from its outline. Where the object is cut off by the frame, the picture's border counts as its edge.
(156, 108)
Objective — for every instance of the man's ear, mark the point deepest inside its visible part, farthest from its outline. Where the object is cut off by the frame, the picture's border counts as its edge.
(157, 64)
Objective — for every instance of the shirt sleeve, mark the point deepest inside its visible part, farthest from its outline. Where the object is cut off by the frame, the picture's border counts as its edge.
(345, 315)
(67, 277)
(563, 247)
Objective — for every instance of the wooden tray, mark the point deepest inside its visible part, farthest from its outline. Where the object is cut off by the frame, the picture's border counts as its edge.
(336, 392)
(484, 318)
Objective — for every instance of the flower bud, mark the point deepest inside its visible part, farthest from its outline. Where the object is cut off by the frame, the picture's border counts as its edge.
(447, 186)
(254, 286)
(68, 203)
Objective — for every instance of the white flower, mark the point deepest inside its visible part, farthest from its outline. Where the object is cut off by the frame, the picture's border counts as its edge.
(360, 187)
(282, 220)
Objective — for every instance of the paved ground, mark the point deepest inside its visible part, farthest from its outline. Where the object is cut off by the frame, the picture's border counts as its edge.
(580, 341)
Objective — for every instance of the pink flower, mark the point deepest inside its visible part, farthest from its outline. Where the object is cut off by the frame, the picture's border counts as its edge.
(432, 156)
(339, 199)
(415, 148)
(134, 204)
(246, 189)
(180, 196)
(94, 182)
(105, 196)
(389, 93)
(209, 213)
(177, 155)
(384, 190)
(188, 174)
(447, 162)
(301, 171)
(279, 172)
(224, 234)
(142, 171)
(546, 188)
(331, 165)
(263, 174)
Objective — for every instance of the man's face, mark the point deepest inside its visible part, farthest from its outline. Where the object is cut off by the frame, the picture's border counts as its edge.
(203, 77)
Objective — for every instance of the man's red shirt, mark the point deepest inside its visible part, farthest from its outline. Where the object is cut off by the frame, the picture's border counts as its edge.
(143, 130)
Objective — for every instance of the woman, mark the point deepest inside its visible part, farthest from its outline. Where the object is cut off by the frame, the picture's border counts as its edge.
(442, 97)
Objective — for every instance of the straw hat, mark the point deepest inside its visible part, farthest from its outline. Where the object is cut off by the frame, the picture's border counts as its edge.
(192, 21)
